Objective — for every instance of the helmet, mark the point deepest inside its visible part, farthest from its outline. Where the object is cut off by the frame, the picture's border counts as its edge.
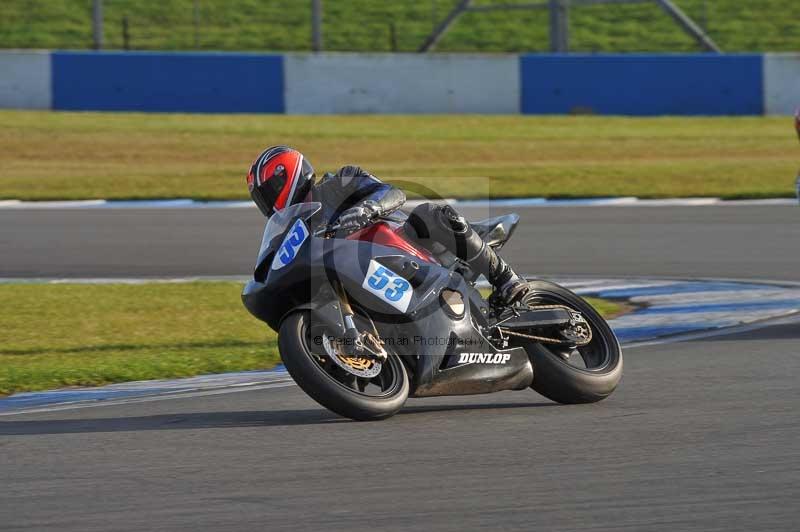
(279, 177)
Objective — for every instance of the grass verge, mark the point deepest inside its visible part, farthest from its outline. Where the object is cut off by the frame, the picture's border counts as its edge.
(86, 335)
(60, 335)
(53, 155)
(607, 308)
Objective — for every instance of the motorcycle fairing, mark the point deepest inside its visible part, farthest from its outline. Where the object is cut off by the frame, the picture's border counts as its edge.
(498, 230)
(292, 241)
(390, 233)
(446, 355)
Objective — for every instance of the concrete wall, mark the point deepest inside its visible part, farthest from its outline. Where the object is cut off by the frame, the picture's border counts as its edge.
(781, 83)
(25, 80)
(643, 84)
(401, 83)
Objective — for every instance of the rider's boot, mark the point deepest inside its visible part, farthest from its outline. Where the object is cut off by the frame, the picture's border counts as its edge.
(510, 291)
(508, 286)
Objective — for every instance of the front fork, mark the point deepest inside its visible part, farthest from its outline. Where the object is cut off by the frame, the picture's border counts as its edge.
(351, 337)
(357, 344)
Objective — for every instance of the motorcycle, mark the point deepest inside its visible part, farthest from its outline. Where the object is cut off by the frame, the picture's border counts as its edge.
(368, 319)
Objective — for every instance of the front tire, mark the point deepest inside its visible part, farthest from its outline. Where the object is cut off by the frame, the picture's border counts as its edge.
(334, 390)
(555, 377)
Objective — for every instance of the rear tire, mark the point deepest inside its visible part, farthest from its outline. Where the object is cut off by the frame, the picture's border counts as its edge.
(560, 381)
(303, 366)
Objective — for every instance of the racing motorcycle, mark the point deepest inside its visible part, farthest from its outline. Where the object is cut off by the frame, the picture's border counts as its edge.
(367, 319)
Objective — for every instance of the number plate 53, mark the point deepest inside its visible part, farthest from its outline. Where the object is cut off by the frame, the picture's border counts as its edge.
(388, 286)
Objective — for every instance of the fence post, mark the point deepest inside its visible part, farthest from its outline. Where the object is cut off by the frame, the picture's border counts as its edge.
(559, 26)
(704, 20)
(126, 35)
(316, 25)
(196, 23)
(392, 37)
(97, 24)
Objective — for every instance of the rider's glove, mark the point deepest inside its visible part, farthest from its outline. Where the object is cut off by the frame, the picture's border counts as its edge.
(352, 171)
(355, 218)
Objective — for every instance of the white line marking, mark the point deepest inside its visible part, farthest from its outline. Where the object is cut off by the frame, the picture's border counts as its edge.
(150, 398)
(82, 204)
(722, 331)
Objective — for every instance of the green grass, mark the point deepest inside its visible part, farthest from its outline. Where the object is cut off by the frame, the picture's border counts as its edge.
(60, 335)
(53, 155)
(85, 335)
(364, 25)
(607, 308)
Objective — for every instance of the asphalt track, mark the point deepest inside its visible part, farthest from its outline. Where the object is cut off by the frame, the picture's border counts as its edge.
(701, 435)
(712, 241)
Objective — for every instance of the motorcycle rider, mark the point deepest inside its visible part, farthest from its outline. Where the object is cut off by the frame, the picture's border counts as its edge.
(353, 198)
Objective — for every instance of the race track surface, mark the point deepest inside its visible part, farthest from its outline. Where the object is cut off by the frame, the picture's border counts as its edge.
(713, 241)
(700, 436)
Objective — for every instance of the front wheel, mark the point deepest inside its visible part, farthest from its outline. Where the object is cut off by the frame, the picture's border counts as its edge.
(585, 374)
(363, 398)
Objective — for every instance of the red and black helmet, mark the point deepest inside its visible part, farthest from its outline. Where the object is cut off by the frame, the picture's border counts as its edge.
(279, 177)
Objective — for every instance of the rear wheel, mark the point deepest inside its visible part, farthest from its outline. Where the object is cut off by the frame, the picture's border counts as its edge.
(585, 374)
(350, 387)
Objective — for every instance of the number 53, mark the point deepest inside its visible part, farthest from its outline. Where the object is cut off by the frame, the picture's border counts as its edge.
(382, 278)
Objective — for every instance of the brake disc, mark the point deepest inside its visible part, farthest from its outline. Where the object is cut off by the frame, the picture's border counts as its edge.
(363, 367)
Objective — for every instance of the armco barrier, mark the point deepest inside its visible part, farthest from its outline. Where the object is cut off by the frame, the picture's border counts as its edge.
(25, 80)
(781, 83)
(638, 84)
(190, 82)
(401, 83)
(643, 84)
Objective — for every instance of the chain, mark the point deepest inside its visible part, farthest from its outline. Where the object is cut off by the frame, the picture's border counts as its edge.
(545, 339)
(542, 339)
(548, 307)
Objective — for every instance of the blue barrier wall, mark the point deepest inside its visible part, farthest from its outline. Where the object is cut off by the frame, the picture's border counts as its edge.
(636, 84)
(643, 84)
(167, 82)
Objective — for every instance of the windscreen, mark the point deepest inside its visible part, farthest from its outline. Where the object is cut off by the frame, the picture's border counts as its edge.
(279, 222)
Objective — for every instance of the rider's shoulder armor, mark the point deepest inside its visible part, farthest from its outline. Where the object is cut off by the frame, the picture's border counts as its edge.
(350, 186)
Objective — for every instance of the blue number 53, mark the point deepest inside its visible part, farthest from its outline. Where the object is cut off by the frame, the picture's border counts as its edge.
(382, 277)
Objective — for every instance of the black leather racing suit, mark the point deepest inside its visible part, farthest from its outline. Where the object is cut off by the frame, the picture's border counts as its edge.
(350, 187)
(434, 226)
